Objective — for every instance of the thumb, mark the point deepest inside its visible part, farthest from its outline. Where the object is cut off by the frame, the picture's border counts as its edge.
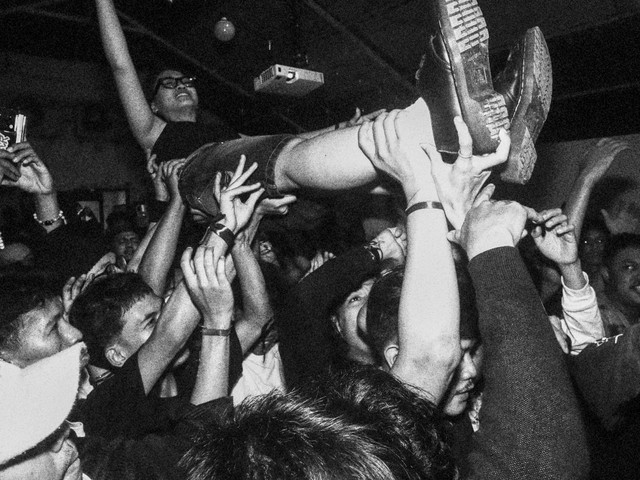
(454, 236)
(485, 194)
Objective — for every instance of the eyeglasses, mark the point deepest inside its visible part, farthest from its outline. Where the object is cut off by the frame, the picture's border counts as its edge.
(172, 82)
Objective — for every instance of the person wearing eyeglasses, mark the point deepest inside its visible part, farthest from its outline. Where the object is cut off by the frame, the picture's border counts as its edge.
(324, 160)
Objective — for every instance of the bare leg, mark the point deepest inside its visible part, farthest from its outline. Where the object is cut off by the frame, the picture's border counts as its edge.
(334, 161)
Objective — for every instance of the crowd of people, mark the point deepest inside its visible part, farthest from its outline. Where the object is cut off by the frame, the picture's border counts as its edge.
(257, 327)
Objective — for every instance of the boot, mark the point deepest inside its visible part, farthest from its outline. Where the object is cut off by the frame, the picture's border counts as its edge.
(526, 85)
(454, 77)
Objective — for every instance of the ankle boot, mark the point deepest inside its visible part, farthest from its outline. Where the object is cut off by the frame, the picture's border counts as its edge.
(454, 77)
(526, 85)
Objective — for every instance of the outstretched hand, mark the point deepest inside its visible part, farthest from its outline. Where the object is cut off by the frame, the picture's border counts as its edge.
(601, 156)
(555, 238)
(623, 218)
(159, 187)
(170, 175)
(206, 279)
(459, 184)
(237, 212)
(389, 151)
(490, 224)
(34, 176)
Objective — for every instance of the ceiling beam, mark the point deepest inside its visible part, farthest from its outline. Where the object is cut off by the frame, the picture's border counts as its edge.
(25, 8)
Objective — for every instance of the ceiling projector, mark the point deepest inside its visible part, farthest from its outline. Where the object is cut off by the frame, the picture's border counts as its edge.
(290, 81)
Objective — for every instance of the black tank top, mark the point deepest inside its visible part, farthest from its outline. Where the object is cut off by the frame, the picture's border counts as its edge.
(180, 139)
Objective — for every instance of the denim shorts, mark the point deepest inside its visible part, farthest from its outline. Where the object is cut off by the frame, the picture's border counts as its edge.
(198, 175)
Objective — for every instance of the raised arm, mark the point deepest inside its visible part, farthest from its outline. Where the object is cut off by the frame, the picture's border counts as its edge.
(146, 126)
(428, 318)
(28, 172)
(256, 306)
(158, 257)
(211, 292)
(531, 425)
(599, 159)
(179, 316)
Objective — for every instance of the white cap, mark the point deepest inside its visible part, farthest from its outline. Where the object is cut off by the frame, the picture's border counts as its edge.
(36, 400)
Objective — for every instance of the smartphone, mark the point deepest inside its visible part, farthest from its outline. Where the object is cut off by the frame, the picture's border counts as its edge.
(13, 127)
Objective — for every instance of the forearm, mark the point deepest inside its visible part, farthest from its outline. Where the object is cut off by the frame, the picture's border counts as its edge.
(212, 380)
(112, 35)
(572, 275)
(159, 255)
(175, 325)
(428, 321)
(531, 425)
(47, 208)
(581, 316)
(257, 309)
(577, 202)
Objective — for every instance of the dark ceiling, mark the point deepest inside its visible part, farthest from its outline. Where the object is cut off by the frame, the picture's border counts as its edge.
(367, 50)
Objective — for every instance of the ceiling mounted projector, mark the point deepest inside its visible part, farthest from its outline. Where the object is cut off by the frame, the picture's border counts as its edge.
(290, 81)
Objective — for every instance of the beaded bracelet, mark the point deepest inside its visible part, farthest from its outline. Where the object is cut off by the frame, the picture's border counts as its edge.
(51, 221)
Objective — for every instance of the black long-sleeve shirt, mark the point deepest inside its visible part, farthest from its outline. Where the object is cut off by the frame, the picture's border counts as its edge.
(530, 424)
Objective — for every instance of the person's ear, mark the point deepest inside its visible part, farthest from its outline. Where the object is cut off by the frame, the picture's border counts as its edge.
(391, 355)
(115, 356)
(336, 324)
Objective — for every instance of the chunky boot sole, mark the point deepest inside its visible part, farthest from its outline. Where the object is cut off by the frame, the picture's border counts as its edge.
(532, 106)
(455, 78)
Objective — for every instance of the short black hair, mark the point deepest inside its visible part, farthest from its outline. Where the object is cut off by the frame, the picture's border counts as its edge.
(384, 303)
(617, 243)
(97, 312)
(357, 424)
(394, 414)
(20, 293)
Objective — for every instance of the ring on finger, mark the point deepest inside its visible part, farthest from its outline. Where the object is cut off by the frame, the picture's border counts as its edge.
(462, 155)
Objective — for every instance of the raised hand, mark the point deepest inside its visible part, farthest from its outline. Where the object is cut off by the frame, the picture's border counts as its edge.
(73, 288)
(208, 285)
(170, 175)
(555, 238)
(237, 212)
(390, 152)
(274, 206)
(458, 184)
(392, 242)
(34, 175)
(159, 186)
(601, 156)
(492, 224)
(319, 259)
(624, 218)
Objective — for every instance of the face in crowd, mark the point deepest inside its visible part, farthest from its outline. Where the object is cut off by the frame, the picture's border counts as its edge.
(623, 278)
(125, 244)
(174, 93)
(58, 460)
(42, 332)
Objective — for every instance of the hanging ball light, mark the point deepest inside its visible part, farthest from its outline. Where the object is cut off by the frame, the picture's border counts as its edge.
(224, 30)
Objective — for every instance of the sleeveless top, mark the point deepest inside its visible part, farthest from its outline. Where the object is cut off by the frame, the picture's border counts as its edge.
(180, 139)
